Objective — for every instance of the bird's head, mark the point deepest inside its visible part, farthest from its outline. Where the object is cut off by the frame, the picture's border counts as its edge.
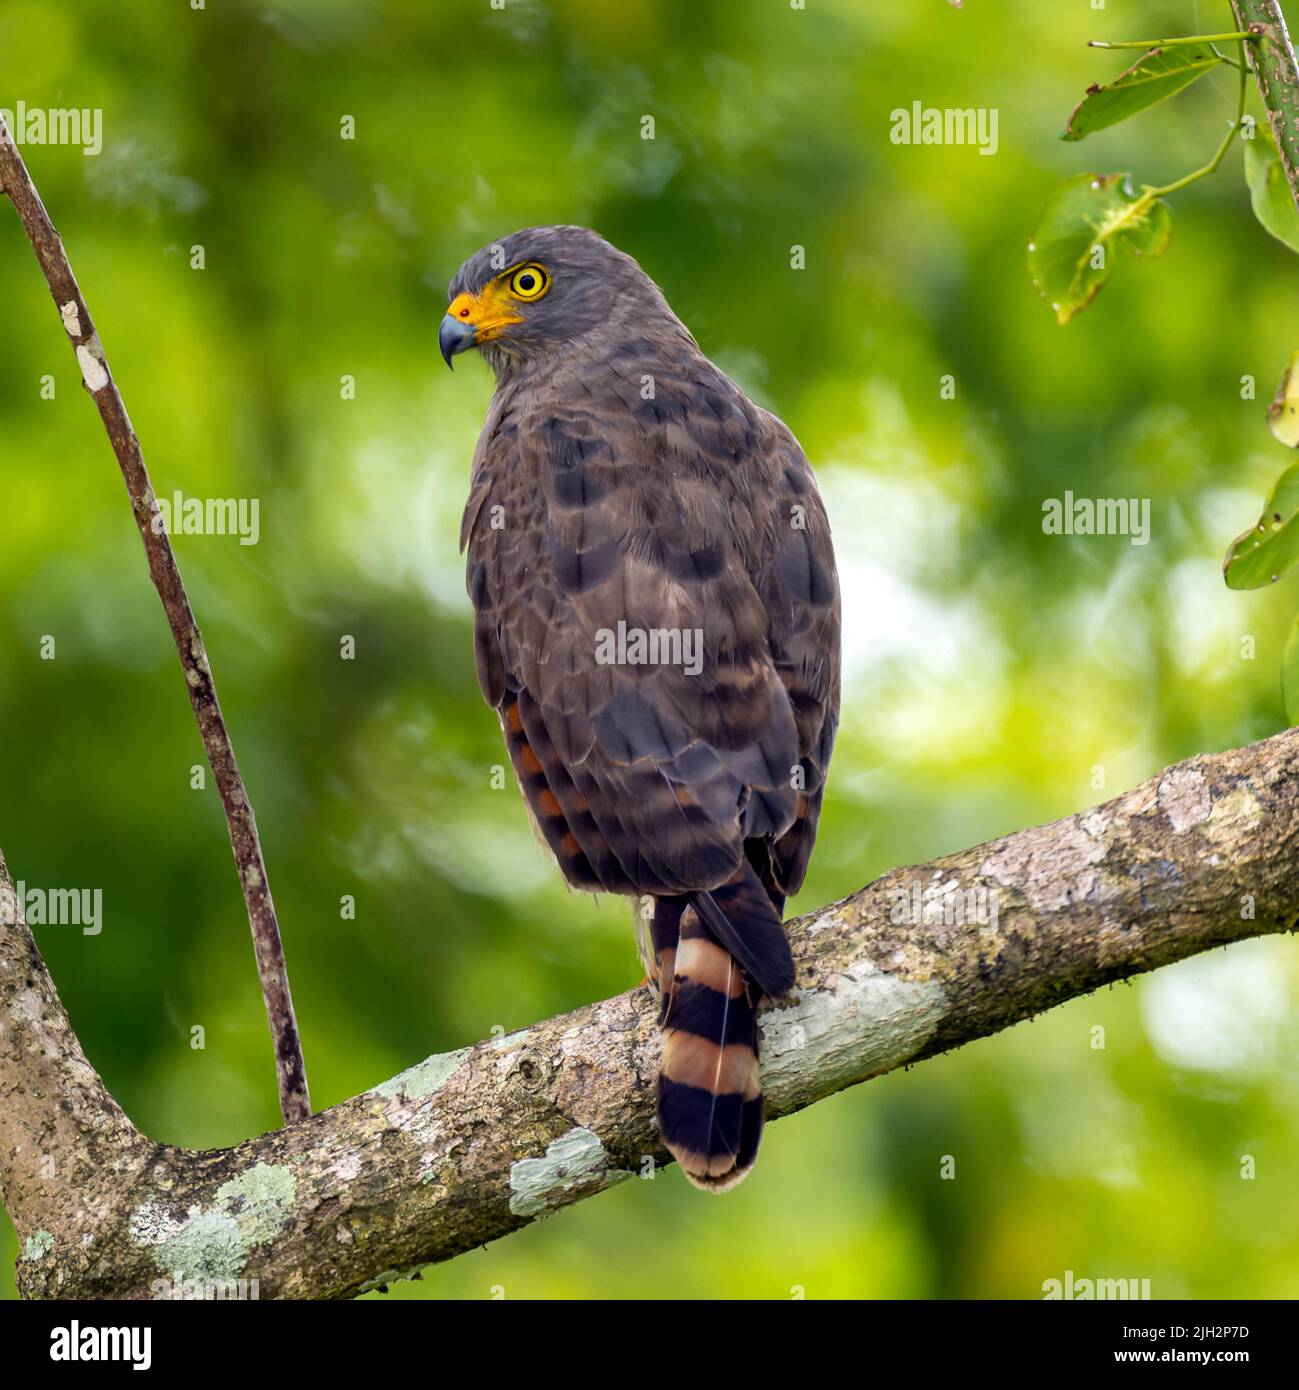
(539, 290)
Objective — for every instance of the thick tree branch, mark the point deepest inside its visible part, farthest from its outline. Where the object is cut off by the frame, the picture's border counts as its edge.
(470, 1145)
(16, 182)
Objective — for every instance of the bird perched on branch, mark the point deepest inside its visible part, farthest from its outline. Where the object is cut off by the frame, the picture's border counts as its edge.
(657, 626)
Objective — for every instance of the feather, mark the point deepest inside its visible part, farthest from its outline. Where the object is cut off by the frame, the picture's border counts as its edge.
(709, 1094)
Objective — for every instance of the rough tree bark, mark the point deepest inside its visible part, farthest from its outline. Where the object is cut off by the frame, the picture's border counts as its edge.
(473, 1144)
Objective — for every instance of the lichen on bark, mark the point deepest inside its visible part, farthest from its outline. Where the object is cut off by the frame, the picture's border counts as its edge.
(468, 1146)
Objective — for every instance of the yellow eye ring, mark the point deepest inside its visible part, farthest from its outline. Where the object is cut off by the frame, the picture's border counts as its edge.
(529, 282)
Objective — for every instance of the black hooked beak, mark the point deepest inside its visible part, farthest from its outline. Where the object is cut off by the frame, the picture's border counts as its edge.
(455, 336)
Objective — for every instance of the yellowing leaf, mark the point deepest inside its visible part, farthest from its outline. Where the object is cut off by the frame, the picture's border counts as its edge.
(1283, 413)
(1081, 228)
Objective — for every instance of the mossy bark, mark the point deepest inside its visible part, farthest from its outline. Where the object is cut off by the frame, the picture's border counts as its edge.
(466, 1147)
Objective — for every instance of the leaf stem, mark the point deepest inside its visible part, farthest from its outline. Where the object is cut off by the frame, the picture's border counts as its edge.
(1212, 165)
(1174, 43)
(1222, 57)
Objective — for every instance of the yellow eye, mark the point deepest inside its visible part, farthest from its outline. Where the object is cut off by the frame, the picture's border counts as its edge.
(529, 282)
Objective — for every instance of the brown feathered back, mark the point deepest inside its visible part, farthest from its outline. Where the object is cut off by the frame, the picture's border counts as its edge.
(624, 485)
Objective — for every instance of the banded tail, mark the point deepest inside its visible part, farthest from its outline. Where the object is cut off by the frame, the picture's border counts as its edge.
(716, 953)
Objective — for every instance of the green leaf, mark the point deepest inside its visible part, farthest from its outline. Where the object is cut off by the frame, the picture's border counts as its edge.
(1265, 552)
(1283, 413)
(1269, 193)
(1085, 221)
(1290, 674)
(1155, 76)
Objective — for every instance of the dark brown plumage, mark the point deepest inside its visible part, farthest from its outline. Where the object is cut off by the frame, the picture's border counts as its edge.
(622, 479)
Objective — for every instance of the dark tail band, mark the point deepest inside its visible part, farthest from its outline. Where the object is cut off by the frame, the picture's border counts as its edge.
(710, 1093)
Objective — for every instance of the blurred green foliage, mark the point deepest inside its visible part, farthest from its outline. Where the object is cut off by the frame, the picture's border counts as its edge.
(994, 674)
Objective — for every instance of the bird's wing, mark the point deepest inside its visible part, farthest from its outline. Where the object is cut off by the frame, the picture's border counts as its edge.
(799, 586)
(688, 518)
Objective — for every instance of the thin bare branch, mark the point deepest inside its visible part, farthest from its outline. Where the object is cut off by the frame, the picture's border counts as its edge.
(17, 184)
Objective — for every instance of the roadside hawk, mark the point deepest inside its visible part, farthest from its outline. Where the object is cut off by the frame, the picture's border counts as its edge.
(656, 622)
